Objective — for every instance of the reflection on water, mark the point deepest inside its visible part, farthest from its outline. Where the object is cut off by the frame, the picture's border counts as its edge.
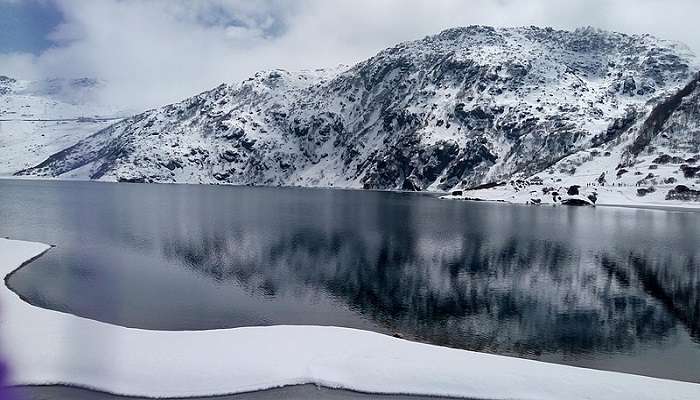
(607, 288)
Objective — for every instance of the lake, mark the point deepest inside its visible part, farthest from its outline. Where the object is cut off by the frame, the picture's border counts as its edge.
(608, 288)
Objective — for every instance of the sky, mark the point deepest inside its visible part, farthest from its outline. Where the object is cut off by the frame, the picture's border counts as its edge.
(154, 52)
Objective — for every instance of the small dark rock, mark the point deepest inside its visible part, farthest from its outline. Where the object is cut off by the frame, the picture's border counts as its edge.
(248, 144)
(173, 164)
(662, 159)
(130, 179)
(575, 202)
(601, 179)
(644, 191)
(229, 155)
(689, 172)
(629, 86)
(677, 160)
(221, 176)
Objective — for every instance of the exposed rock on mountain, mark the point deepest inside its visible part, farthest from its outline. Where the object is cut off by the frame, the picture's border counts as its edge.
(682, 192)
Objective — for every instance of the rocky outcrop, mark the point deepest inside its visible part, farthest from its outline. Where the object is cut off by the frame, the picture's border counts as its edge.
(658, 117)
(684, 193)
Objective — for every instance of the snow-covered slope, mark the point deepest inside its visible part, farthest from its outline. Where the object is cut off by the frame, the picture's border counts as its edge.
(467, 106)
(39, 118)
(655, 160)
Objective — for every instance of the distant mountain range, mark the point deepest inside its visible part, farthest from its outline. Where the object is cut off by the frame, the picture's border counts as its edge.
(38, 118)
(455, 110)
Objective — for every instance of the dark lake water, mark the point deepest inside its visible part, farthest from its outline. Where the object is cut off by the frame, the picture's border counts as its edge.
(608, 288)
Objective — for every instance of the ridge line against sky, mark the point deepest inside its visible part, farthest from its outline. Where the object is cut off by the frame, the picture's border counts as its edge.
(160, 51)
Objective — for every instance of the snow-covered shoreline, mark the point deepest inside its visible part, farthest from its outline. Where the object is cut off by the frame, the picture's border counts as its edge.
(607, 196)
(48, 347)
(499, 195)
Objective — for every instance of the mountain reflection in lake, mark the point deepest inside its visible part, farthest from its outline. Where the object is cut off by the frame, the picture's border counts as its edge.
(608, 288)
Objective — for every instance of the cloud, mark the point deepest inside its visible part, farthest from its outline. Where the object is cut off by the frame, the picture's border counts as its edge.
(160, 51)
(19, 65)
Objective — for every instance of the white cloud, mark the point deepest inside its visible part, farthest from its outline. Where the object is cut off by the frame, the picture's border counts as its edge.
(159, 51)
(19, 65)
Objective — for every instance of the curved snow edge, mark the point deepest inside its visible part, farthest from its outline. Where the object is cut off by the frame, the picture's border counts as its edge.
(44, 346)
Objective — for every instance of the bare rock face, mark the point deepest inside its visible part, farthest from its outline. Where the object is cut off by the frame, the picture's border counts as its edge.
(459, 109)
(690, 172)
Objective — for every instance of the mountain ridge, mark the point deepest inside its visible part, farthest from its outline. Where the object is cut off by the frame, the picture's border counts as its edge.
(457, 109)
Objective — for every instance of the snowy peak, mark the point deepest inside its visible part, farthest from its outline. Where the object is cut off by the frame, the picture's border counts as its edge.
(464, 107)
(590, 52)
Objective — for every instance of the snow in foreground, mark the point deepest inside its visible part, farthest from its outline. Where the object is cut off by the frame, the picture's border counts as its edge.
(45, 346)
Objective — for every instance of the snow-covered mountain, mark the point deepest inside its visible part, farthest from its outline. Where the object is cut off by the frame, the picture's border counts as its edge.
(39, 118)
(455, 110)
(653, 158)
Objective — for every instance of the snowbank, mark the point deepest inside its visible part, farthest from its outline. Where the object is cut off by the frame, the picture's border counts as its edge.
(606, 196)
(45, 346)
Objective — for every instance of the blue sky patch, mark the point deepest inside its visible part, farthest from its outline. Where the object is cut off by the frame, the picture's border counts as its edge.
(24, 25)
